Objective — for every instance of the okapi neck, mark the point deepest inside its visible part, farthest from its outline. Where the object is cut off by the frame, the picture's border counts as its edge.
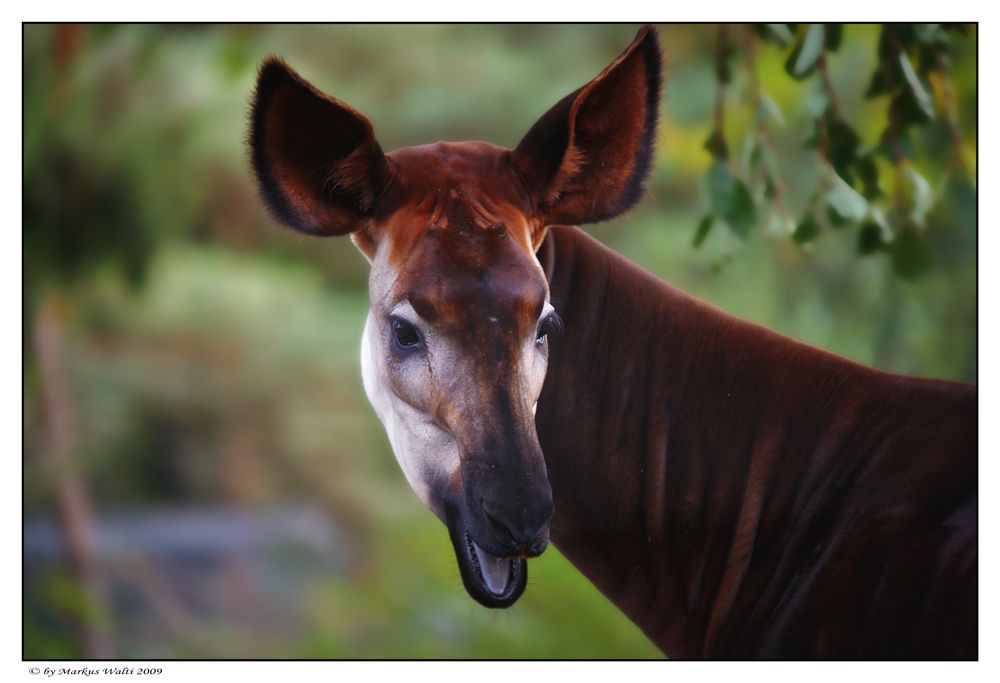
(695, 460)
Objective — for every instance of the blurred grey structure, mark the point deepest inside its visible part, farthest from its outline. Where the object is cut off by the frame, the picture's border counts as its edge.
(249, 571)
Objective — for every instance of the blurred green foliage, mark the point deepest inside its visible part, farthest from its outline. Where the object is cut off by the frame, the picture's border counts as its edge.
(213, 358)
(917, 131)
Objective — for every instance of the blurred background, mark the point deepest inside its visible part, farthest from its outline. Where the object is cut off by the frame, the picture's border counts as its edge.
(203, 476)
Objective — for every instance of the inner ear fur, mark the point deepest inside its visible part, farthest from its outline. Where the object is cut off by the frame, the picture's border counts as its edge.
(318, 165)
(587, 158)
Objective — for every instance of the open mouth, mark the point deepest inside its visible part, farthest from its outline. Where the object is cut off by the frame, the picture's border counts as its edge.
(491, 581)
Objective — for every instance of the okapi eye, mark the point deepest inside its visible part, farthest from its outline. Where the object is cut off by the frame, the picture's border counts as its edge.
(552, 323)
(404, 333)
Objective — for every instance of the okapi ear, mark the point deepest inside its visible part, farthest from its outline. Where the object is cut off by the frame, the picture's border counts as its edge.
(587, 158)
(318, 165)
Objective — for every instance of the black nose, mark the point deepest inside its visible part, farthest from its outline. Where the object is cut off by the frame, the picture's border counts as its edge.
(522, 529)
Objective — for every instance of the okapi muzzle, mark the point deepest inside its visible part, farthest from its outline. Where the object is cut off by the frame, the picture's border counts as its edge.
(498, 508)
(455, 348)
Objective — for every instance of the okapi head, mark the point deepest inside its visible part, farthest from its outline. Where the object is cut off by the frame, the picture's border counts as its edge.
(455, 347)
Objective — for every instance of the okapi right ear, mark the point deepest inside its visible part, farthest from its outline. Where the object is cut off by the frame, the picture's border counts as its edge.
(587, 158)
(318, 165)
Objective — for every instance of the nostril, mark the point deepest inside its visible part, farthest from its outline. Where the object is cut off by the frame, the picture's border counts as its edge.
(522, 535)
(499, 529)
(538, 544)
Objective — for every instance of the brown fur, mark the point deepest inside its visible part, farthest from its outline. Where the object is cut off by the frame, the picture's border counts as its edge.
(735, 493)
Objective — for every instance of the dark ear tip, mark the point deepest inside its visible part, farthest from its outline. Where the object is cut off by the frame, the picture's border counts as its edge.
(556, 172)
(272, 73)
(271, 62)
(273, 66)
(648, 36)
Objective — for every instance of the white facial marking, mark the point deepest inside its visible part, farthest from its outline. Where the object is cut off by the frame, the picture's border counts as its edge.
(424, 451)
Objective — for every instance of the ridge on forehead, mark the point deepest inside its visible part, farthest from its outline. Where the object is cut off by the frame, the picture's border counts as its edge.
(468, 229)
(453, 163)
(466, 194)
(476, 173)
(445, 153)
(461, 243)
(456, 273)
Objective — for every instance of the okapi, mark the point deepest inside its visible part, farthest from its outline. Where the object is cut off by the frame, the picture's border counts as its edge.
(737, 494)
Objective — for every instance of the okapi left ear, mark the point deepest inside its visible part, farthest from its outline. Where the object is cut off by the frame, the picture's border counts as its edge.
(318, 165)
(587, 158)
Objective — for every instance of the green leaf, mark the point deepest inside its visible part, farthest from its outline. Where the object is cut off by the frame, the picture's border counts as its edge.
(723, 72)
(703, 229)
(843, 200)
(771, 162)
(802, 61)
(744, 214)
(920, 194)
(816, 103)
(920, 96)
(834, 33)
(720, 188)
(888, 76)
(767, 108)
(716, 144)
(776, 33)
(887, 146)
(911, 257)
(877, 86)
(868, 172)
(882, 222)
(780, 225)
(931, 34)
(842, 146)
(770, 189)
(807, 230)
(750, 155)
(730, 199)
(908, 110)
(836, 220)
(928, 59)
(817, 107)
(905, 34)
(870, 238)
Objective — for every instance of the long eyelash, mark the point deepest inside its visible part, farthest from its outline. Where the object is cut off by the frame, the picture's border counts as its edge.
(553, 324)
